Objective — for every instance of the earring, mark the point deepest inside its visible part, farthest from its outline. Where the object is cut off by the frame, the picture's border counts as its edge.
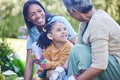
(44, 29)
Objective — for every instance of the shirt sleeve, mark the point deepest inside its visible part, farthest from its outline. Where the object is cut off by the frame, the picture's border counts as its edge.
(29, 42)
(68, 26)
(34, 35)
(99, 44)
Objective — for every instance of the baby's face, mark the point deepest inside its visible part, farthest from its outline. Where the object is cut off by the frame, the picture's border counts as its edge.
(59, 32)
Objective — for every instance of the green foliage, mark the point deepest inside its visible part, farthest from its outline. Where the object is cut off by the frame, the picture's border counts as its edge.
(11, 18)
(2, 77)
(8, 60)
(12, 77)
(5, 62)
(19, 66)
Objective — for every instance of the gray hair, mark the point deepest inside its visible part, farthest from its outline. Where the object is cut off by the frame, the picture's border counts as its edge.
(81, 5)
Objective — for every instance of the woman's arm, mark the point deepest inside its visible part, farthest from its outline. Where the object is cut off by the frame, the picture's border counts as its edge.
(29, 66)
(100, 53)
(73, 40)
(89, 74)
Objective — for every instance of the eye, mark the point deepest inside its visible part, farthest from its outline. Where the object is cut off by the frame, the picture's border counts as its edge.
(31, 14)
(58, 29)
(40, 11)
(65, 29)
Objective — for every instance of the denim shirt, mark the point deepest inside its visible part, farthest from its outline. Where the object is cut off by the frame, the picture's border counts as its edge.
(35, 33)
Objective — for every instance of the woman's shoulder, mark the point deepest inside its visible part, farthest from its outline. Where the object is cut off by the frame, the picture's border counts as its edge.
(100, 15)
(34, 29)
(58, 18)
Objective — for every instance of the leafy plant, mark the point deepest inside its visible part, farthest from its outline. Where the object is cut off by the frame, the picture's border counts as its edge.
(2, 77)
(9, 61)
(5, 51)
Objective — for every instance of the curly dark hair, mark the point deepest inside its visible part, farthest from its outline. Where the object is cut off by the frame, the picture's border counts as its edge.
(43, 41)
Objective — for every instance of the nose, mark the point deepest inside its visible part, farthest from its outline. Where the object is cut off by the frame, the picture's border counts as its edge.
(64, 31)
(38, 14)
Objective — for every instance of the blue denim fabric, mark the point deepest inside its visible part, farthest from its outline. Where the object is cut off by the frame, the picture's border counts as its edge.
(35, 33)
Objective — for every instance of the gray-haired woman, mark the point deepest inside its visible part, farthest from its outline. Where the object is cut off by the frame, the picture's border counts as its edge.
(102, 36)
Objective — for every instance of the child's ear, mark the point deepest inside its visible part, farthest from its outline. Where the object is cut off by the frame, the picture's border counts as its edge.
(49, 35)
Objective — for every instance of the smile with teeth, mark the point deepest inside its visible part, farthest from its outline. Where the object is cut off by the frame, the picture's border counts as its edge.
(64, 36)
(40, 20)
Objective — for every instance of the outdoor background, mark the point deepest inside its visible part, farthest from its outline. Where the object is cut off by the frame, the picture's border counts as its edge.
(13, 29)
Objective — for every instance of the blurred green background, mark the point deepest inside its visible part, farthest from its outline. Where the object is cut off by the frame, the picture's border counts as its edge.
(11, 19)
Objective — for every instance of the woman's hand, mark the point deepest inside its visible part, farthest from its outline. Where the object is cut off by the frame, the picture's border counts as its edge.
(89, 74)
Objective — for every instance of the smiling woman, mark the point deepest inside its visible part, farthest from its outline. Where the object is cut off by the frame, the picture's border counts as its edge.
(36, 15)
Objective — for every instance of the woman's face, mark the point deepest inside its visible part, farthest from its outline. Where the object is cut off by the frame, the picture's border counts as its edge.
(77, 15)
(36, 15)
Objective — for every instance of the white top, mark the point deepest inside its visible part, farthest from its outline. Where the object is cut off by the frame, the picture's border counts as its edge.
(103, 35)
(37, 51)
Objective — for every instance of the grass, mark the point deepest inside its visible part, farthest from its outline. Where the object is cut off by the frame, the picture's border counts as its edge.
(19, 47)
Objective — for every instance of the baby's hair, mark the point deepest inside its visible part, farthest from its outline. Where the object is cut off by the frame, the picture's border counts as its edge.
(43, 41)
